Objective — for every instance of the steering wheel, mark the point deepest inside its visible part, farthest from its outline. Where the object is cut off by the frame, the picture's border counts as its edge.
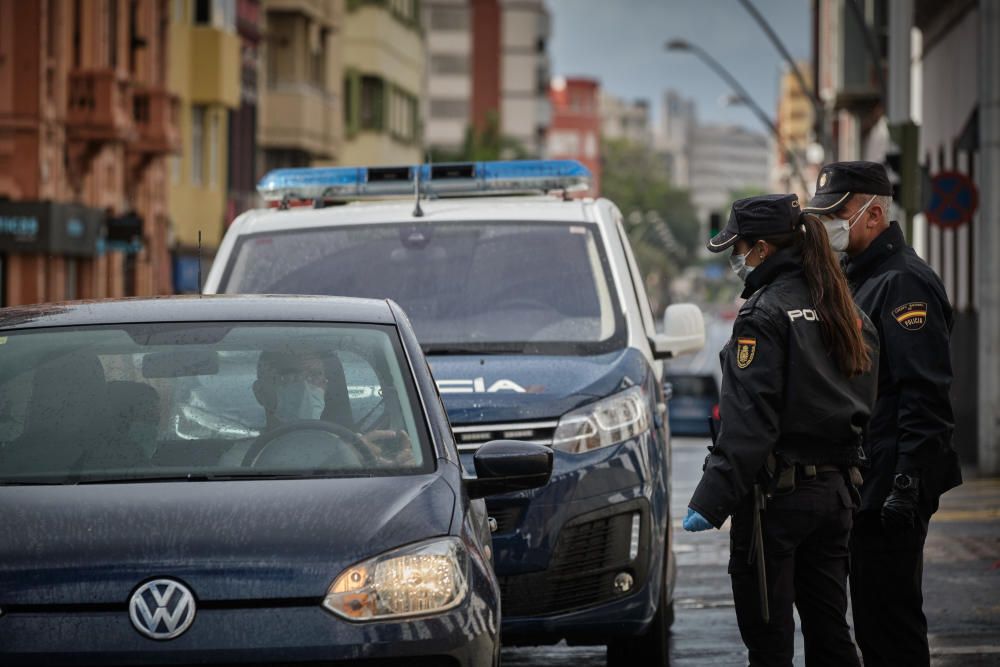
(344, 435)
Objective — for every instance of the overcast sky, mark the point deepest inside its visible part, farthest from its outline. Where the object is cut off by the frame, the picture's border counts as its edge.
(620, 42)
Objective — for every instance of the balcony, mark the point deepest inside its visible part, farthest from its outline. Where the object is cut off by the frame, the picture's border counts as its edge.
(99, 108)
(154, 111)
(301, 117)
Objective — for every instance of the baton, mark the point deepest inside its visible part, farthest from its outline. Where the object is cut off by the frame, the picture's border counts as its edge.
(757, 552)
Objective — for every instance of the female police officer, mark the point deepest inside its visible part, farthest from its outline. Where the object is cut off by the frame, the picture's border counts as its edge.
(797, 392)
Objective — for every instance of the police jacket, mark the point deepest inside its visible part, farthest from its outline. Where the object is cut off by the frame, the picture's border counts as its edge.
(912, 422)
(781, 390)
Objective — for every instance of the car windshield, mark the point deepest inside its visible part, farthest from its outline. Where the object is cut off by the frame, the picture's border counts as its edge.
(541, 288)
(206, 401)
(693, 385)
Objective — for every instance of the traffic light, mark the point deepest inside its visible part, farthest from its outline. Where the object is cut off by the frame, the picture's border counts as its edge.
(902, 162)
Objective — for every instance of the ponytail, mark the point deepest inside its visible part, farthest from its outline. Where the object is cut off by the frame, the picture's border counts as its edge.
(838, 318)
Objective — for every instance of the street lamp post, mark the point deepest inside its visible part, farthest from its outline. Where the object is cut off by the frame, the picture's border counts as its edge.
(744, 96)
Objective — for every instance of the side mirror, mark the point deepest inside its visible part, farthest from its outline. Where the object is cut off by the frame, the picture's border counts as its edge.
(509, 465)
(684, 332)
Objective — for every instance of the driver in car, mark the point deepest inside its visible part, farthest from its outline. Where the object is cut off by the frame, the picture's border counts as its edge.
(292, 389)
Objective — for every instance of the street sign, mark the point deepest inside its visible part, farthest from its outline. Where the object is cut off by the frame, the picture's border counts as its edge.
(954, 200)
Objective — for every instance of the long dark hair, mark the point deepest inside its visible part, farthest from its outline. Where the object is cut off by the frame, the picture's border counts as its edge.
(840, 321)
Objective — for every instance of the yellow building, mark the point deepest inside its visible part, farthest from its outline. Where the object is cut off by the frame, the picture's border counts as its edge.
(205, 74)
(301, 116)
(384, 61)
(796, 117)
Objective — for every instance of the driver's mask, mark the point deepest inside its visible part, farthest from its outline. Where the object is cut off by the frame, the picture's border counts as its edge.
(299, 400)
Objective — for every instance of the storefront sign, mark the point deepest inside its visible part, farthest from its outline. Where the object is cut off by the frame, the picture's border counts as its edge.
(50, 228)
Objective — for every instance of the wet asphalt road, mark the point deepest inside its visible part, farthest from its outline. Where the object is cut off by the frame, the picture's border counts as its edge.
(961, 584)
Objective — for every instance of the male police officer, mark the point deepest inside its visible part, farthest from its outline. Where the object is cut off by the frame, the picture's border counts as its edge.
(909, 436)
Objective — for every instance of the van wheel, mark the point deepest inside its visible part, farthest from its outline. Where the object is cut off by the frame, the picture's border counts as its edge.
(651, 647)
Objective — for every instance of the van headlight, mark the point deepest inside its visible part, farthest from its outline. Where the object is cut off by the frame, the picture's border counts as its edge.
(607, 422)
(423, 578)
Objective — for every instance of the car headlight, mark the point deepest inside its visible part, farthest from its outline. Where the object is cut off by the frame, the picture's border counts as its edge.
(607, 422)
(423, 578)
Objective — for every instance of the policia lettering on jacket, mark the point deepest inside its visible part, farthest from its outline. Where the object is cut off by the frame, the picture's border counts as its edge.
(909, 439)
(792, 423)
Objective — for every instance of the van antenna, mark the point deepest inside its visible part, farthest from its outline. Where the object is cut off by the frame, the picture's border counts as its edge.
(417, 211)
(199, 263)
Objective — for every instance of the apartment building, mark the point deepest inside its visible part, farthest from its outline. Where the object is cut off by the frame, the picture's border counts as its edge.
(575, 130)
(86, 125)
(384, 64)
(626, 120)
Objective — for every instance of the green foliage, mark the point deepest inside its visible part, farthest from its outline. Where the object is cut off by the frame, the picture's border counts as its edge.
(635, 179)
(489, 144)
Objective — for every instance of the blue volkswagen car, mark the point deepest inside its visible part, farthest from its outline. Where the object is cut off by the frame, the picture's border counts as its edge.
(239, 480)
(533, 315)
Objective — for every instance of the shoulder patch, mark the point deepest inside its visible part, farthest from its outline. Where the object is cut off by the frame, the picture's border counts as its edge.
(746, 350)
(912, 315)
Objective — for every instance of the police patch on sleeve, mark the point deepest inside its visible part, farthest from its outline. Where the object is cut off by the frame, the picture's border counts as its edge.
(746, 348)
(911, 316)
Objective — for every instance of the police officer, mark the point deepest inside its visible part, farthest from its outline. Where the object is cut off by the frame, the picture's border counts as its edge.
(909, 438)
(797, 391)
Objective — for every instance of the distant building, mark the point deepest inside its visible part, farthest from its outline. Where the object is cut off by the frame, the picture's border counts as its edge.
(242, 182)
(86, 125)
(205, 73)
(673, 140)
(575, 131)
(383, 63)
(524, 74)
(301, 103)
(626, 120)
(487, 69)
(725, 159)
(796, 117)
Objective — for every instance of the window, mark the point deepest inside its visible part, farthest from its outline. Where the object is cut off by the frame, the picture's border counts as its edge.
(449, 64)
(219, 14)
(317, 55)
(449, 18)
(372, 103)
(202, 12)
(450, 109)
(213, 150)
(197, 145)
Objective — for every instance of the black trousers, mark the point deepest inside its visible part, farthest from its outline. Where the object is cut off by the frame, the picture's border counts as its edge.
(887, 593)
(806, 536)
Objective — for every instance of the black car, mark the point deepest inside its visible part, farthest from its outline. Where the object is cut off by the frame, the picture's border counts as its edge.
(694, 404)
(239, 480)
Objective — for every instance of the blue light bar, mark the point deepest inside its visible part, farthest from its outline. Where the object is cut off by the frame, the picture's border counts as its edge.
(507, 177)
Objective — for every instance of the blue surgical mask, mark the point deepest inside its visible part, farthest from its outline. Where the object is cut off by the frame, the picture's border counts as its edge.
(299, 400)
(740, 266)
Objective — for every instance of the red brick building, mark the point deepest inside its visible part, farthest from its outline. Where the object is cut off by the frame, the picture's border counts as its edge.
(575, 130)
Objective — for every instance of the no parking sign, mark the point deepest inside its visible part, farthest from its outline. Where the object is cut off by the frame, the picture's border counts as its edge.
(954, 200)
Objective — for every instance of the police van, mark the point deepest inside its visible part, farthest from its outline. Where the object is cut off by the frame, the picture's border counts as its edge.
(531, 309)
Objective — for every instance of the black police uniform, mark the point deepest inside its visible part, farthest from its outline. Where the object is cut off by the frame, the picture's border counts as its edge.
(783, 394)
(911, 426)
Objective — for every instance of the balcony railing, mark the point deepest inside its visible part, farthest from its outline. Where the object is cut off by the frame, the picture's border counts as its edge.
(154, 112)
(99, 106)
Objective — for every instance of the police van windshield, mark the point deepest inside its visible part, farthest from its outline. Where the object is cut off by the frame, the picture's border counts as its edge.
(483, 287)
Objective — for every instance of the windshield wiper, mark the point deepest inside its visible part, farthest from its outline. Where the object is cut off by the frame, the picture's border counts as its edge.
(445, 349)
(219, 477)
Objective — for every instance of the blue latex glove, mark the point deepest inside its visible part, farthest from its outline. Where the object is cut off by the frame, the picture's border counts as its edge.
(694, 522)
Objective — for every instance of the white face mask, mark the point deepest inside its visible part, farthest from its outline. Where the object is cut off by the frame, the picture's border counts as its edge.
(740, 266)
(299, 400)
(839, 229)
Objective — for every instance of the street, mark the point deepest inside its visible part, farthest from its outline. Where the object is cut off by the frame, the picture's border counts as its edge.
(961, 584)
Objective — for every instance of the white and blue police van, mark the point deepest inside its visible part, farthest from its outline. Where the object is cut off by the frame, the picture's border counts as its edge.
(531, 309)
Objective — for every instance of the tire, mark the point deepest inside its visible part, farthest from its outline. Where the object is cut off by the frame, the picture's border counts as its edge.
(650, 648)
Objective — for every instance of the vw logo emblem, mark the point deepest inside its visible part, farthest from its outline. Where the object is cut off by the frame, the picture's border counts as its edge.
(162, 609)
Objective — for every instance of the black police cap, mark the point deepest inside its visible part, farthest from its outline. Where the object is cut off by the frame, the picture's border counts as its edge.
(837, 181)
(757, 218)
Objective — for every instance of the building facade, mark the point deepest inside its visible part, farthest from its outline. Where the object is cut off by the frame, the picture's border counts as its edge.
(916, 84)
(673, 140)
(447, 106)
(384, 63)
(86, 123)
(242, 180)
(525, 72)
(300, 103)
(575, 129)
(796, 117)
(205, 72)
(625, 120)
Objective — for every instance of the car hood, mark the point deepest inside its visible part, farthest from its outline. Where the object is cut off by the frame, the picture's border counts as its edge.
(232, 540)
(512, 388)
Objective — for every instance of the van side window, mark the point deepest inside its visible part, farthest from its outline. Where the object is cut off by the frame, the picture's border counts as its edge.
(639, 287)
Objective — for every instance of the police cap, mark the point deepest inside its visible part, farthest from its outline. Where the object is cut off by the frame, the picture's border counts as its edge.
(837, 181)
(756, 218)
